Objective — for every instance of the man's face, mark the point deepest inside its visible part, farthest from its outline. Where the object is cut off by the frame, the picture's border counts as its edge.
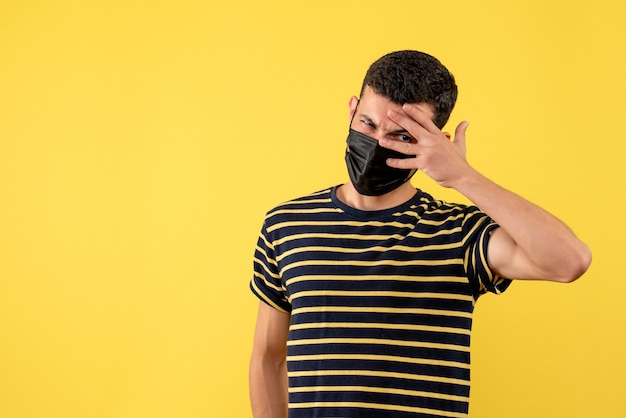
(369, 116)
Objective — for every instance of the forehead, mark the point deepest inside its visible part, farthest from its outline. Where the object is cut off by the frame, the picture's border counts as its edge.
(375, 105)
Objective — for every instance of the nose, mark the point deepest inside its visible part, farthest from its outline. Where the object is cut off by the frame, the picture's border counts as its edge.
(379, 135)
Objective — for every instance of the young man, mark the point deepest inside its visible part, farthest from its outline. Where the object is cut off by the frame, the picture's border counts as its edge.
(367, 289)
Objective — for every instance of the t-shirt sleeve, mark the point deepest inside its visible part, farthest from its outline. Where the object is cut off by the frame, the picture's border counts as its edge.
(482, 278)
(266, 282)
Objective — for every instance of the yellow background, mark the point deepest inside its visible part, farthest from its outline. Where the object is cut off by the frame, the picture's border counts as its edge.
(141, 143)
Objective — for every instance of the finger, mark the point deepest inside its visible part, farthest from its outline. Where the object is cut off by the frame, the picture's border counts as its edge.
(407, 148)
(459, 135)
(407, 122)
(421, 116)
(406, 163)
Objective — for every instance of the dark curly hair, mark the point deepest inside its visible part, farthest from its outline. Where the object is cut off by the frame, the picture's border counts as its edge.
(414, 77)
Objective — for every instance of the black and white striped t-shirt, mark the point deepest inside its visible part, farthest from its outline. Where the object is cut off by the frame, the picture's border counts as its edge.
(381, 303)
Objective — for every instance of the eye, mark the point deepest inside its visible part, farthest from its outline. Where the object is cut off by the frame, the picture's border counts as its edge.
(403, 138)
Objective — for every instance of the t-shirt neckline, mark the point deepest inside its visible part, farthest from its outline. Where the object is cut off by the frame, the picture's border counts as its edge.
(369, 215)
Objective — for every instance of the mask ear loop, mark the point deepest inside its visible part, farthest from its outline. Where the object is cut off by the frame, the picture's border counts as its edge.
(358, 101)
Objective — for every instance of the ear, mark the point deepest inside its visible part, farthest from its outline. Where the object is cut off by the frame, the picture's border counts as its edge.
(352, 104)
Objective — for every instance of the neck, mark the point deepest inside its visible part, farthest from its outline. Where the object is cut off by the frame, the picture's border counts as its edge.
(349, 195)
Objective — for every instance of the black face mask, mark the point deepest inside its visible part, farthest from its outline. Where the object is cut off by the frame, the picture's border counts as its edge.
(368, 169)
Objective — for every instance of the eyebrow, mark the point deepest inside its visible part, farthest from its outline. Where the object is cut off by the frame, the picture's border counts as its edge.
(368, 120)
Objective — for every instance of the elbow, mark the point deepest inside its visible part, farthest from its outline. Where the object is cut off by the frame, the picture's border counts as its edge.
(577, 266)
(268, 357)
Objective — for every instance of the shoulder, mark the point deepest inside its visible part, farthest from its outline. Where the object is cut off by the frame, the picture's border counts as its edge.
(296, 208)
(463, 219)
(315, 198)
(441, 209)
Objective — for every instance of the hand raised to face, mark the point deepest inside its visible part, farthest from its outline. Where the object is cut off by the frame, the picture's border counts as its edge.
(442, 159)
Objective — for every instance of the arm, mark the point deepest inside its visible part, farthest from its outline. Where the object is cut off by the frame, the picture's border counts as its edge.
(530, 243)
(268, 369)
